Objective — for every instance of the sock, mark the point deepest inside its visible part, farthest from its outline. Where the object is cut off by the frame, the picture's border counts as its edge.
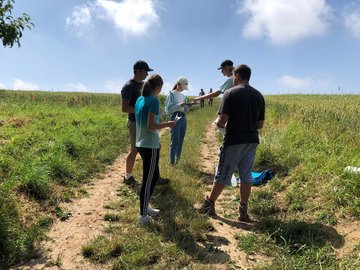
(128, 175)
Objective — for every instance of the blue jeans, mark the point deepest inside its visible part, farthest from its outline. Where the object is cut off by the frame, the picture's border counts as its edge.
(177, 137)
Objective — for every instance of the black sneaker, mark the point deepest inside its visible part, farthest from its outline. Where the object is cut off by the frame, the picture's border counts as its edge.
(162, 181)
(130, 182)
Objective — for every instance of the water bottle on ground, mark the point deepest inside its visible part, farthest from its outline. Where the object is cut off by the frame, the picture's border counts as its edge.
(352, 169)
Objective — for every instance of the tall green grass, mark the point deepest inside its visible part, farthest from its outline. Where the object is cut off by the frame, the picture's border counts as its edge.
(49, 140)
(308, 141)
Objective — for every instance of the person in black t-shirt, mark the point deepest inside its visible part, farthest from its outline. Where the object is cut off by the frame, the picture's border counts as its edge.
(242, 113)
(129, 94)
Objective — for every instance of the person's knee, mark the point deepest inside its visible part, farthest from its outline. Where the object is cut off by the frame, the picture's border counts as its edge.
(245, 178)
(246, 185)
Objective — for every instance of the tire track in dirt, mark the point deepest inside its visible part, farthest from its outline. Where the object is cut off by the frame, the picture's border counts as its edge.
(66, 238)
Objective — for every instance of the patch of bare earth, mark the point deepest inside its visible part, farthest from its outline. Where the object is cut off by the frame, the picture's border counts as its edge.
(223, 237)
(351, 233)
(62, 250)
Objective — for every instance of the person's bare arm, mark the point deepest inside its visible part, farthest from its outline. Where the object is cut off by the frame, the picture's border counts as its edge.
(209, 95)
(260, 124)
(125, 106)
(152, 125)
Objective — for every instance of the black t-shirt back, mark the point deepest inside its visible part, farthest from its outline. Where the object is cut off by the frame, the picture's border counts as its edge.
(245, 106)
(131, 91)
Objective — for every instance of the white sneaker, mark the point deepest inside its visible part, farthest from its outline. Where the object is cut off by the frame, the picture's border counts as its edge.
(144, 220)
(153, 212)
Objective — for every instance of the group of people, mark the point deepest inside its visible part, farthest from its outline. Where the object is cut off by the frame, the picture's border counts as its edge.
(241, 114)
(202, 101)
(140, 101)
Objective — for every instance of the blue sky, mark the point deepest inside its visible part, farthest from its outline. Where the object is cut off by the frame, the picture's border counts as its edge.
(297, 46)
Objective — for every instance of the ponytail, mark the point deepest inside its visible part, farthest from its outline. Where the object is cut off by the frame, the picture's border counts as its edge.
(149, 86)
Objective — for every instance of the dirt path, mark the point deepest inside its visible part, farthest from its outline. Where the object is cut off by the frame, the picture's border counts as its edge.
(66, 238)
(225, 229)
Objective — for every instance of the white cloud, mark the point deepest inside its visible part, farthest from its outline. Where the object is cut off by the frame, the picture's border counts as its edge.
(114, 86)
(80, 20)
(131, 17)
(81, 16)
(2, 86)
(352, 19)
(293, 82)
(285, 21)
(21, 85)
(305, 84)
(76, 87)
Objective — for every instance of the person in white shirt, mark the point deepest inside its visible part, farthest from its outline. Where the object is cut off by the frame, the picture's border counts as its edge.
(176, 108)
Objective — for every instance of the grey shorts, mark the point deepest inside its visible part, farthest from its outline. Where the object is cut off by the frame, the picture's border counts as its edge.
(132, 133)
(235, 157)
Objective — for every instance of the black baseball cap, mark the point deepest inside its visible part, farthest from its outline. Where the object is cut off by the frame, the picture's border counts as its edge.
(142, 65)
(226, 63)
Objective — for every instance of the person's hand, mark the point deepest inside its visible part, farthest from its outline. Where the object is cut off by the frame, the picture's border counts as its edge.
(171, 124)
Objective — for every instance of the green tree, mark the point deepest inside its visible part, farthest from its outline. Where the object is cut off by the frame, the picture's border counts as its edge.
(11, 29)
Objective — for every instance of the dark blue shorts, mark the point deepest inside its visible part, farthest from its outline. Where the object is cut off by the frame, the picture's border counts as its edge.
(238, 157)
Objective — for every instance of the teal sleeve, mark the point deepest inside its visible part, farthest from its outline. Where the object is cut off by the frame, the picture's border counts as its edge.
(228, 83)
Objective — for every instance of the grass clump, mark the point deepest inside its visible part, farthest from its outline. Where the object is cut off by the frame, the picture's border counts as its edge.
(17, 241)
(102, 249)
(111, 217)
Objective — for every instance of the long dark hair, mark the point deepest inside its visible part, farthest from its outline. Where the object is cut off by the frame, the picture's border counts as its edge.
(175, 86)
(149, 86)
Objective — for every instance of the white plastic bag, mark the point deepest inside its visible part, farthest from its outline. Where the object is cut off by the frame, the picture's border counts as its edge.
(218, 129)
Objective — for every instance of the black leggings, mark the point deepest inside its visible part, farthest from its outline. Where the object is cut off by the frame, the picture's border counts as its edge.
(150, 157)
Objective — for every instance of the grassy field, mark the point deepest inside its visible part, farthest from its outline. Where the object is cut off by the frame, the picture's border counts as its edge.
(51, 143)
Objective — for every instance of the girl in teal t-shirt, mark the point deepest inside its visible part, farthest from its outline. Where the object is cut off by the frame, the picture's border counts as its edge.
(148, 142)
